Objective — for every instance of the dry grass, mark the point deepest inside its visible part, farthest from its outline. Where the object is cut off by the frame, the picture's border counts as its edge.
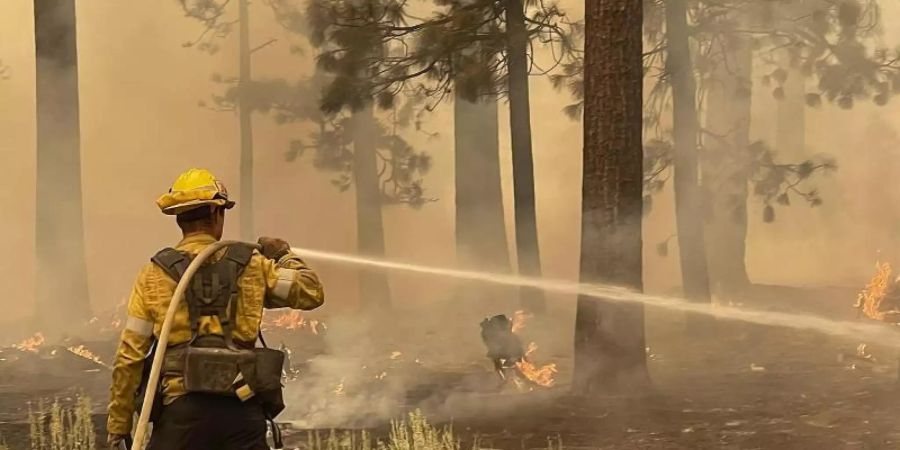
(58, 427)
(53, 426)
(418, 434)
(414, 433)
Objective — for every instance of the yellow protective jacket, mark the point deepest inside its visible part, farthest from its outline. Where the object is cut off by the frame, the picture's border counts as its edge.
(287, 283)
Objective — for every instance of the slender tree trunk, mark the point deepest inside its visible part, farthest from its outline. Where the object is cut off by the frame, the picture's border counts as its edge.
(374, 292)
(726, 170)
(790, 127)
(688, 199)
(609, 337)
(528, 251)
(480, 228)
(62, 290)
(245, 111)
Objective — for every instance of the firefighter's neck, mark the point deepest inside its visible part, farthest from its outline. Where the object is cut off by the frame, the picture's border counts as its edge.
(213, 227)
(196, 233)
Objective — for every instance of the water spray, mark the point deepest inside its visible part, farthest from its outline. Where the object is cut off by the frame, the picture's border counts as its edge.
(854, 330)
(841, 328)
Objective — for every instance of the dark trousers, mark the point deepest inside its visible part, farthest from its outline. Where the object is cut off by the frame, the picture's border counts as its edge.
(210, 422)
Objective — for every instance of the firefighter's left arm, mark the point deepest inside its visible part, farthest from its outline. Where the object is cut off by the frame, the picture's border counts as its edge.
(290, 283)
(133, 347)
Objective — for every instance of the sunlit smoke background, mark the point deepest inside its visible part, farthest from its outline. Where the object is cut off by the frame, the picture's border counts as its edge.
(141, 125)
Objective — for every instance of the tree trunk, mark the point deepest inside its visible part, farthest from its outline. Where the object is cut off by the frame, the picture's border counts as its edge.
(726, 169)
(527, 249)
(609, 337)
(790, 127)
(374, 292)
(480, 228)
(245, 111)
(688, 199)
(62, 290)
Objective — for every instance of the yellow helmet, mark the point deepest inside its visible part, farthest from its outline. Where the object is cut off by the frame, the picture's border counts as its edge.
(192, 189)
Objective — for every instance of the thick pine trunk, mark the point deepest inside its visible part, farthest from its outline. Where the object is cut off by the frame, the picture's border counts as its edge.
(480, 229)
(245, 111)
(688, 199)
(528, 252)
(62, 291)
(609, 337)
(374, 292)
(726, 170)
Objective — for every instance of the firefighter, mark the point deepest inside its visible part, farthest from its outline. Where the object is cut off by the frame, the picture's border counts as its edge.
(273, 277)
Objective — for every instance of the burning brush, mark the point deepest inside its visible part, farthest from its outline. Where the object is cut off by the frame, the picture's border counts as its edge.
(32, 344)
(511, 358)
(880, 300)
(295, 320)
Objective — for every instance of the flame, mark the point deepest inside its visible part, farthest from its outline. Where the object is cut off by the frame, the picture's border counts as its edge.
(294, 320)
(31, 344)
(519, 319)
(871, 301)
(538, 375)
(83, 352)
(541, 376)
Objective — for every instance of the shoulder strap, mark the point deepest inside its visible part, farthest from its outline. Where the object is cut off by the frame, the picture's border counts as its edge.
(240, 255)
(215, 290)
(172, 262)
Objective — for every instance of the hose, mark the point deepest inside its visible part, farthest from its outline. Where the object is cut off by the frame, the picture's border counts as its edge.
(163, 341)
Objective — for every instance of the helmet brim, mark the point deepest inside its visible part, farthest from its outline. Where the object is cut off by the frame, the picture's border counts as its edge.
(194, 204)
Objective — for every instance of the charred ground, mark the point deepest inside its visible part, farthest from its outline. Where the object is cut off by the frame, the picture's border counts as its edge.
(737, 386)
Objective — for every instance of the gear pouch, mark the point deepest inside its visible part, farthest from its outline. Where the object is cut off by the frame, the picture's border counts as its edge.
(267, 382)
(214, 370)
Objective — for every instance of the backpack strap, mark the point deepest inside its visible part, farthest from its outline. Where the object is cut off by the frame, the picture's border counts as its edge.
(172, 262)
(236, 259)
(207, 284)
(240, 255)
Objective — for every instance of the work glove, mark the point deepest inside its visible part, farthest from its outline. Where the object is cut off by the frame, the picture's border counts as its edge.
(114, 441)
(274, 248)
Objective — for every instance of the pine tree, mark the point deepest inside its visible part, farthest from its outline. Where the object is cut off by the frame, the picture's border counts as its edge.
(609, 337)
(428, 56)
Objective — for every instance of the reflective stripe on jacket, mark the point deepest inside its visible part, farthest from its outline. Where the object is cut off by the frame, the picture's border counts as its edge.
(287, 283)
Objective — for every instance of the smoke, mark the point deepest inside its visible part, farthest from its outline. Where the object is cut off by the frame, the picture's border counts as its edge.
(141, 126)
(429, 357)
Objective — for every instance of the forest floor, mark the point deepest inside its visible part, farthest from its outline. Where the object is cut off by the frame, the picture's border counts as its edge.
(734, 386)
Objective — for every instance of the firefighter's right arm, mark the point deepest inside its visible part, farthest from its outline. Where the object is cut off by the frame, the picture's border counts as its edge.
(133, 347)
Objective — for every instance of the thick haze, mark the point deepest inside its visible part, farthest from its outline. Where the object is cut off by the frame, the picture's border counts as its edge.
(141, 126)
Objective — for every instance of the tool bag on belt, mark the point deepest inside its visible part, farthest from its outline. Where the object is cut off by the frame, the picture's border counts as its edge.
(215, 364)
